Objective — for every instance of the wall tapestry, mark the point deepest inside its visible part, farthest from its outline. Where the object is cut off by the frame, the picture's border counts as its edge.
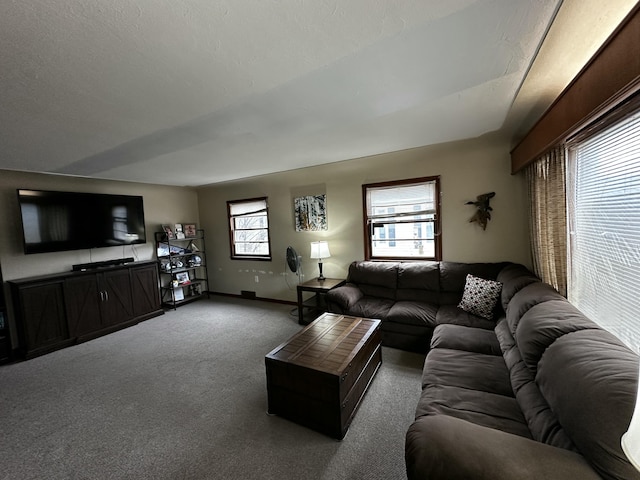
(311, 213)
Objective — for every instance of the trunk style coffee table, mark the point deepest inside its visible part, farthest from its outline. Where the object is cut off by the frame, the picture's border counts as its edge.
(320, 375)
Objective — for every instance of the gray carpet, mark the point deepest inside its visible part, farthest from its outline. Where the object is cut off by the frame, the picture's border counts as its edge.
(183, 396)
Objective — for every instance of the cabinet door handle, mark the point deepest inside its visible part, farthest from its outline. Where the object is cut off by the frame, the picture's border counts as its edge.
(101, 296)
(106, 296)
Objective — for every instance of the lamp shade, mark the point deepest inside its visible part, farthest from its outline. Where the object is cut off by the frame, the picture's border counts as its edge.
(631, 439)
(320, 250)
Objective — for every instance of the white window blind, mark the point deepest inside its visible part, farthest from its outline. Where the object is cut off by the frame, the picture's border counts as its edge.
(249, 225)
(604, 216)
(400, 219)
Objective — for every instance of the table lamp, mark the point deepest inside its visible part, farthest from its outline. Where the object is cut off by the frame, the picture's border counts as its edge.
(320, 250)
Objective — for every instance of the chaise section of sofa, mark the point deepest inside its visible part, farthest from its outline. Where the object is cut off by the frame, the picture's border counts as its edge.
(546, 394)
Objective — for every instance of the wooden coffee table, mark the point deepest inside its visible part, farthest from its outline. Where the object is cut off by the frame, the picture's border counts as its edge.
(319, 376)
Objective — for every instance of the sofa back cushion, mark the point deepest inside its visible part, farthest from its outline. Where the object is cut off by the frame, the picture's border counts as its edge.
(590, 380)
(453, 277)
(543, 423)
(526, 298)
(375, 279)
(419, 282)
(514, 278)
(545, 322)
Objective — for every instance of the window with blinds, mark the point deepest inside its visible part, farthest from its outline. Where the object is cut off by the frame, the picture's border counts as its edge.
(604, 228)
(402, 220)
(249, 229)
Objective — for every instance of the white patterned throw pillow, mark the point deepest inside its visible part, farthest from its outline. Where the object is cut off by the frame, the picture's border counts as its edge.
(480, 296)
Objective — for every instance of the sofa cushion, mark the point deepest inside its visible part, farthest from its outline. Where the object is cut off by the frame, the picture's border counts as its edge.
(453, 277)
(451, 314)
(469, 339)
(341, 299)
(371, 307)
(526, 298)
(590, 380)
(419, 281)
(543, 324)
(542, 422)
(444, 447)
(375, 279)
(482, 408)
(480, 296)
(413, 313)
(473, 371)
(514, 278)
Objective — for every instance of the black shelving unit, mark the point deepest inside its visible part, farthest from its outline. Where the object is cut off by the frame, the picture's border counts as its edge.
(183, 269)
(5, 335)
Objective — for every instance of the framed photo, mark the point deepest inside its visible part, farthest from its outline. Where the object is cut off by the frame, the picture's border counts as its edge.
(310, 213)
(178, 294)
(190, 230)
(178, 227)
(169, 231)
(183, 278)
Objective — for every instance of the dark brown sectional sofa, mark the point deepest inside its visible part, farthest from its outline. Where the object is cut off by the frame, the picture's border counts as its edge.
(539, 391)
(410, 298)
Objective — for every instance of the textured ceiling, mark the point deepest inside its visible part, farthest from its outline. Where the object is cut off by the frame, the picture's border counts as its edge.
(196, 92)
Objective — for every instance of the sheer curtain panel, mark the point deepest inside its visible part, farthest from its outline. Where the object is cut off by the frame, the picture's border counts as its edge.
(546, 180)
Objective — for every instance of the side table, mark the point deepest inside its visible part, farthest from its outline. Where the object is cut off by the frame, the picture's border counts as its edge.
(316, 304)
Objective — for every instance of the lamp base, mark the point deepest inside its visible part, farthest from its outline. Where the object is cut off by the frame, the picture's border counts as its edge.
(320, 277)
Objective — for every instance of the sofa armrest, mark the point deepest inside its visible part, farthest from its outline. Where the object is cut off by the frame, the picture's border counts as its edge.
(443, 447)
(343, 297)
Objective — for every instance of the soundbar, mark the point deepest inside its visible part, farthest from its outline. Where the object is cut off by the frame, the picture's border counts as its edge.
(81, 267)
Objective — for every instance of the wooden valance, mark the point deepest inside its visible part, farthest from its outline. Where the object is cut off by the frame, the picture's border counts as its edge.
(611, 76)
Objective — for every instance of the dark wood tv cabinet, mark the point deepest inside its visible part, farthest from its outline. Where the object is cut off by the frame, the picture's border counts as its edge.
(55, 311)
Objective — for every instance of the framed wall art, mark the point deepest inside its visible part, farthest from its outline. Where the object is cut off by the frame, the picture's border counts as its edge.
(310, 213)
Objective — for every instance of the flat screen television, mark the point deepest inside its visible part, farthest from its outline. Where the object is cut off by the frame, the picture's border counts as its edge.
(58, 221)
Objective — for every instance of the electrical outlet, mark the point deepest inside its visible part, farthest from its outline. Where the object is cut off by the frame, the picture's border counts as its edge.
(257, 279)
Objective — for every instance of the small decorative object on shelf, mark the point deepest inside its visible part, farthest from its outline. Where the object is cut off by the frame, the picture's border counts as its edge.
(183, 278)
(190, 230)
(179, 232)
(183, 270)
(168, 231)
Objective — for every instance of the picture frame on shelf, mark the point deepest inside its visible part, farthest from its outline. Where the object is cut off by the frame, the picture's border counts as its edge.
(178, 294)
(190, 230)
(183, 278)
(168, 231)
(179, 231)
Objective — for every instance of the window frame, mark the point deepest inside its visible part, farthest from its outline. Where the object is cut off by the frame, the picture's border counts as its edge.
(234, 255)
(437, 222)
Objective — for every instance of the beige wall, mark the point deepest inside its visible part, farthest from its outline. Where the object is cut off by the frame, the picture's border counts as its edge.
(161, 204)
(467, 169)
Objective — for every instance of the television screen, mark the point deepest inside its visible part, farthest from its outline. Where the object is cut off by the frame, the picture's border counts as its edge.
(57, 221)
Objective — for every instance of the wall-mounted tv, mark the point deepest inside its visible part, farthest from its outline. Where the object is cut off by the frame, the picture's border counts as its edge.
(58, 221)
